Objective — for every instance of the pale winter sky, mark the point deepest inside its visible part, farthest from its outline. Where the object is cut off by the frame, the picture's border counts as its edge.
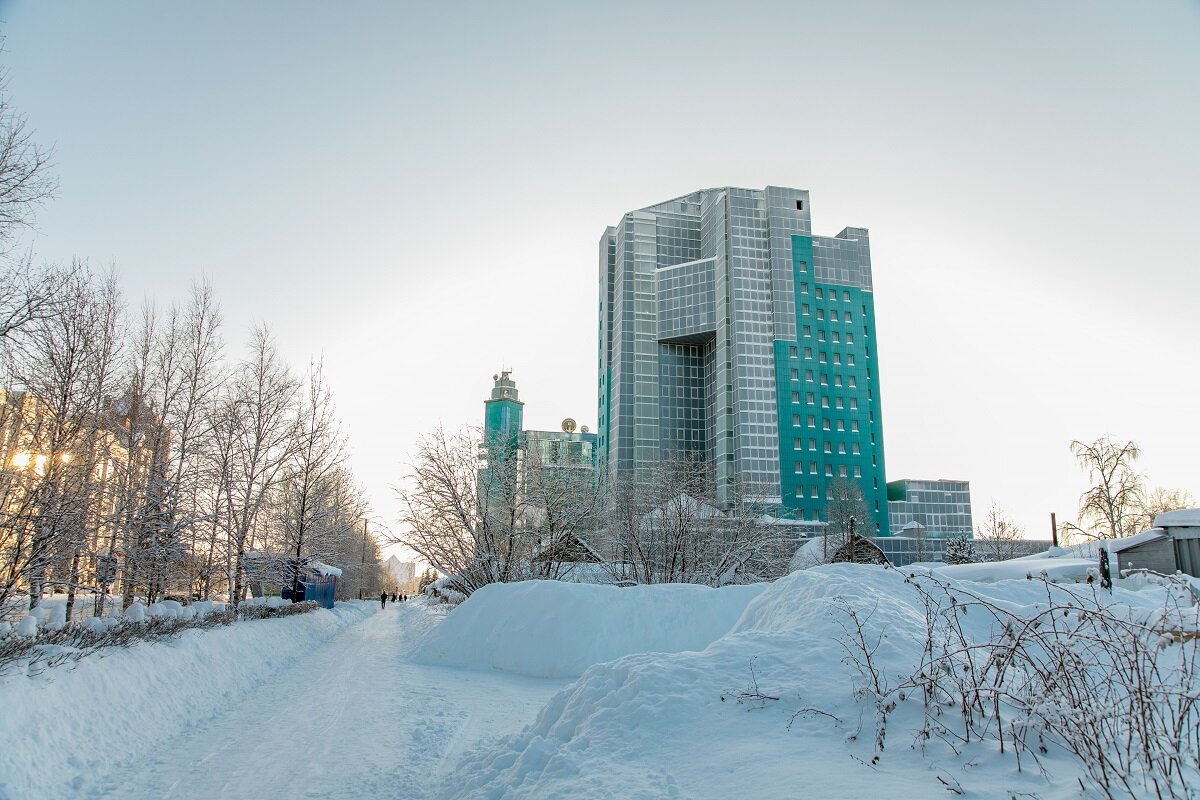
(417, 192)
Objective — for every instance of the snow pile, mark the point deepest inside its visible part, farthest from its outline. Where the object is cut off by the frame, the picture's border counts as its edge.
(776, 707)
(1055, 570)
(161, 687)
(554, 629)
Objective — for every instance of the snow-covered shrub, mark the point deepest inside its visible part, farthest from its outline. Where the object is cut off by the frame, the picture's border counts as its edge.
(136, 612)
(38, 647)
(1117, 688)
(267, 610)
(960, 550)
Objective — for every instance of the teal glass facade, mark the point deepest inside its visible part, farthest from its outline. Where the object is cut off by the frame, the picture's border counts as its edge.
(728, 329)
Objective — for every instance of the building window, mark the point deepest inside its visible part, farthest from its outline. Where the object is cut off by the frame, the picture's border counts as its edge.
(838, 404)
(820, 313)
(837, 337)
(837, 358)
(795, 374)
(823, 358)
(808, 398)
(848, 317)
(829, 447)
(795, 397)
(837, 380)
(792, 351)
(812, 444)
(853, 383)
(829, 470)
(804, 266)
(796, 444)
(854, 428)
(853, 404)
(820, 294)
(799, 205)
(824, 402)
(808, 375)
(824, 379)
(850, 359)
(812, 421)
(846, 296)
(808, 353)
(820, 336)
(842, 448)
(842, 471)
(841, 425)
(804, 308)
(858, 472)
(812, 468)
(849, 337)
(796, 420)
(825, 427)
(804, 288)
(856, 448)
(833, 315)
(806, 330)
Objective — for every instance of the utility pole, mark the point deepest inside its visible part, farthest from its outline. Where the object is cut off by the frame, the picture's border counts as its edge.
(1053, 530)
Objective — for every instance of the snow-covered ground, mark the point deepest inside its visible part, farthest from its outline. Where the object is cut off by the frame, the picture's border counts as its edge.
(418, 701)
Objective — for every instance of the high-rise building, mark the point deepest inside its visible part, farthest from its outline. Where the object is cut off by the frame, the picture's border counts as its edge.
(729, 332)
(518, 465)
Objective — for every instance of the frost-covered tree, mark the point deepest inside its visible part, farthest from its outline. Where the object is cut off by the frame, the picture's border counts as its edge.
(845, 510)
(997, 536)
(959, 550)
(1111, 508)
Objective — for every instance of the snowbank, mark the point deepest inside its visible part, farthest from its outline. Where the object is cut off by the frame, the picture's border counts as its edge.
(553, 629)
(767, 710)
(1056, 570)
(158, 689)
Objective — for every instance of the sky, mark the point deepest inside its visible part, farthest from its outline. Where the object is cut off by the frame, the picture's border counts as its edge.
(416, 192)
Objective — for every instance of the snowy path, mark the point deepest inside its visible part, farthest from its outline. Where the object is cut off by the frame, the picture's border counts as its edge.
(355, 719)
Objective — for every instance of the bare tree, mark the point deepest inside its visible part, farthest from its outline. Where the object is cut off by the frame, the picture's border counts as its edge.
(309, 492)
(998, 536)
(255, 428)
(464, 519)
(64, 365)
(1110, 509)
(1159, 501)
(562, 501)
(27, 293)
(846, 513)
(25, 177)
(669, 526)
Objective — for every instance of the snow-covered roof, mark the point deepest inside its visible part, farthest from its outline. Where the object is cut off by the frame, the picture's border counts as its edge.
(1120, 545)
(324, 569)
(1183, 518)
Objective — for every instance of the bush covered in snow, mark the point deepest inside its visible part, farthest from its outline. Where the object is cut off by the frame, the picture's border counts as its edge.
(960, 550)
(41, 646)
(1116, 687)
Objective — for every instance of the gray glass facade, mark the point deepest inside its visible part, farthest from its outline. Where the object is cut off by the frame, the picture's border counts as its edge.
(708, 307)
(942, 508)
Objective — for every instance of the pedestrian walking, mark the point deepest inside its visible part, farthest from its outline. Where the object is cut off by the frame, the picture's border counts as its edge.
(382, 600)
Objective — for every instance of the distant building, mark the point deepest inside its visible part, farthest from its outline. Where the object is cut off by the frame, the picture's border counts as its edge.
(516, 464)
(730, 333)
(403, 574)
(929, 509)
